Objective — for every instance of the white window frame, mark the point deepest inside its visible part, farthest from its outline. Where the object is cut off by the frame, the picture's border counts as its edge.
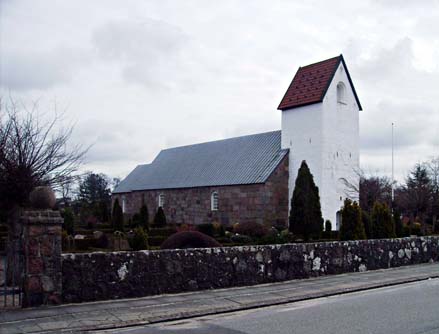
(161, 200)
(214, 201)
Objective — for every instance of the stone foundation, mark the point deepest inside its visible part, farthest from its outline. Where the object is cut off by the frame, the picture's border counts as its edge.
(100, 276)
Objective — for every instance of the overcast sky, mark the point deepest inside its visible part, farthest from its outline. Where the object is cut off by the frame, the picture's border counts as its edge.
(139, 76)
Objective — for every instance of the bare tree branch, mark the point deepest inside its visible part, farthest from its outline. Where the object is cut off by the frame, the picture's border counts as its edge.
(33, 153)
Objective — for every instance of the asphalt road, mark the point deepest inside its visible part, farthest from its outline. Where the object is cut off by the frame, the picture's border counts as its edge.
(410, 308)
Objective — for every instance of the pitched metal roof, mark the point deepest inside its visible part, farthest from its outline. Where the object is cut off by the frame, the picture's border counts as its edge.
(241, 160)
(311, 83)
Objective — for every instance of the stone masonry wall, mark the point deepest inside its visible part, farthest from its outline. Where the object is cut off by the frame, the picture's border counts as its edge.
(100, 276)
(266, 202)
(42, 274)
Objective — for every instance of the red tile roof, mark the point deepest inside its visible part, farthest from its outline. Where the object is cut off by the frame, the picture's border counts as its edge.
(311, 83)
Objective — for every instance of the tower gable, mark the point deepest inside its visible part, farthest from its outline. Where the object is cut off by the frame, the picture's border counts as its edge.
(311, 83)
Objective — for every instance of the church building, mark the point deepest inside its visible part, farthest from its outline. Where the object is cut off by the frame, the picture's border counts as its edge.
(251, 178)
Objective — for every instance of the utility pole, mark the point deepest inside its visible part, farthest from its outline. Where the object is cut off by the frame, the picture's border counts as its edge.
(393, 168)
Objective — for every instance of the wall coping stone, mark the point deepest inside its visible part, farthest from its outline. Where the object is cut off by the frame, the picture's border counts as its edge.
(253, 247)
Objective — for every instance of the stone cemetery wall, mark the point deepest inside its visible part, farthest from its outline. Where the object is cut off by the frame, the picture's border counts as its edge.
(100, 276)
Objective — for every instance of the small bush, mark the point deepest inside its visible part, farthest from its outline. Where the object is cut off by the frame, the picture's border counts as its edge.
(156, 240)
(219, 229)
(241, 239)
(102, 241)
(186, 227)
(162, 231)
(85, 244)
(416, 229)
(273, 239)
(189, 239)
(207, 229)
(139, 240)
(251, 229)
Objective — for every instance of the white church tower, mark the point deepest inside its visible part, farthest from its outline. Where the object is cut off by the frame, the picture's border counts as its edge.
(320, 124)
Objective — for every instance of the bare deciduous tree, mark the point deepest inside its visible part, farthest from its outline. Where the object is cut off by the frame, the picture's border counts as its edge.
(33, 152)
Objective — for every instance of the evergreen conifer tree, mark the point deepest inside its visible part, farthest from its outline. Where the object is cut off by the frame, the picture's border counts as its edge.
(352, 227)
(383, 225)
(117, 217)
(306, 214)
(328, 226)
(365, 217)
(69, 221)
(144, 217)
(160, 218)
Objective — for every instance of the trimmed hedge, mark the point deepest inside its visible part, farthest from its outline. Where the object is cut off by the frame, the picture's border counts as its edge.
(189, 239)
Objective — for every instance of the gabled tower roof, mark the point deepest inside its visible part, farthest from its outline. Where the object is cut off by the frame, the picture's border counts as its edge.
(311, 83)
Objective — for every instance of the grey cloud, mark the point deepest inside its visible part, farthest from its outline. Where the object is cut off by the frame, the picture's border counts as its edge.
(413, 125)
(23, 70)
(148, 51)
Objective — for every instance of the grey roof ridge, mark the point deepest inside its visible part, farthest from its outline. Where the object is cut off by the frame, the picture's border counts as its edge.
(220, 140)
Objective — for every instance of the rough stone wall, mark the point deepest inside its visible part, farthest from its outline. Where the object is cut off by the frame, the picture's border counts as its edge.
(100, 276)
(42, 257)
(266, 202)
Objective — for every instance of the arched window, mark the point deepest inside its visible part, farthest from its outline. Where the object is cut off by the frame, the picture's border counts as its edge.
(123, 203)
(161, 200)
(214, 201)
(341, 92)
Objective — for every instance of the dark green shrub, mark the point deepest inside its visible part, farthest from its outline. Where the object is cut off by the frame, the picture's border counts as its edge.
(398, 224)
(219, 230)
(102, 241)
(251, 229)
(352, 225)
(117, 217)
(306, 214)
(85, 244)
(139, 240)
(416, 229)
(272, 239)
(189, 239)
(156, 240)
(241, 239)
(382, 222)
(207, 229)
(405, 231)
(162, 231)
(223, 240)
(160, 218)
(365, 217)
(69, 221)
(144, 217)
(134, 221)
(328, 226)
